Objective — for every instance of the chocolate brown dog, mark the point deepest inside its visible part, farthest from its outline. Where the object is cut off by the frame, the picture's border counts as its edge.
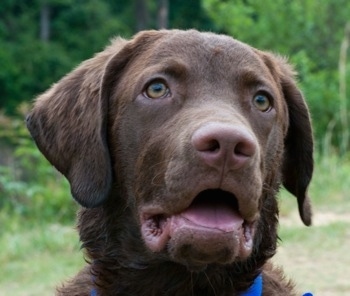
(175, 143)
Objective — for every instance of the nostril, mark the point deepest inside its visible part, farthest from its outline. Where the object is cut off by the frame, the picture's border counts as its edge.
(244, 149)
(205, 141)
(213, 146)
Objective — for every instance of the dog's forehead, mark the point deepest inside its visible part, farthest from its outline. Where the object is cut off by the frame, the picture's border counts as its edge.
(193, 46)
(205, 55)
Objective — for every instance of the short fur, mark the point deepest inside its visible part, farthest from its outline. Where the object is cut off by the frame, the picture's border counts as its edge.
(127, 155)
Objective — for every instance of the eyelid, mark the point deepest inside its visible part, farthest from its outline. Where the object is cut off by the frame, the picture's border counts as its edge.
(155, 79)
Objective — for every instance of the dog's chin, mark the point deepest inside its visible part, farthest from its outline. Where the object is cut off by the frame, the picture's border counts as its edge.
(210, 231)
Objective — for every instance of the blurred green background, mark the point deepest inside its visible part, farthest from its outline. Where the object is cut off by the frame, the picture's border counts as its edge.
(41, 40)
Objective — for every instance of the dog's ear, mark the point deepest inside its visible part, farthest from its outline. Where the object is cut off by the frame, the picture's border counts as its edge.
(69, 122)
(298, 162)
(298, 158)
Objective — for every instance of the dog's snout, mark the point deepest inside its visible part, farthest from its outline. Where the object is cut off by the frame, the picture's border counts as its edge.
(224, 146)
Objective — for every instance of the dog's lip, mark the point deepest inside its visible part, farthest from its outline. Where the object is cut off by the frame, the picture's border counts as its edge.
(149, 211)
(157, 226)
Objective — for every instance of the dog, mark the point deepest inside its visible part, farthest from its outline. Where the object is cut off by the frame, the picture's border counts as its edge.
(175, 144)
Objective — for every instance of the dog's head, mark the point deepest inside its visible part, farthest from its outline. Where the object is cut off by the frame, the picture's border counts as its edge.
(196, 131)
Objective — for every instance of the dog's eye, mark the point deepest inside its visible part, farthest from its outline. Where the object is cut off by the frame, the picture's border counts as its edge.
(157, 90)
(262, 102)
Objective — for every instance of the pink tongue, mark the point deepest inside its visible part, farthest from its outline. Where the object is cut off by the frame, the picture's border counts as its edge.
(214, 215)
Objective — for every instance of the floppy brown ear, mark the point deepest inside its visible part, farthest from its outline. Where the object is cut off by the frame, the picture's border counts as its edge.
(68, 124)
(69, 121)
(298, 159)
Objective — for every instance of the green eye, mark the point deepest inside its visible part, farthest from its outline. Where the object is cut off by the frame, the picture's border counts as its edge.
(157, 90)
(262, 102)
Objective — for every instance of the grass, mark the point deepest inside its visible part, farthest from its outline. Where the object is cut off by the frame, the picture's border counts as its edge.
(317, 258)
(36, 255)
(35, 258)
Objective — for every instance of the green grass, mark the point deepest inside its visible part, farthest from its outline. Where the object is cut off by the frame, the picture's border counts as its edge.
(35, 258)
(37, 255)
(317, 258)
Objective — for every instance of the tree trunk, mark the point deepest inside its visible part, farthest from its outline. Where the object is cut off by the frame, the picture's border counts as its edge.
(142, 16)
(45, 22)
(163, 12)
(342, 90)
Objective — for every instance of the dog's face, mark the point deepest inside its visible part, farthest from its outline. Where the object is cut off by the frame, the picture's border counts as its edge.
(208, 122)
(196, 130)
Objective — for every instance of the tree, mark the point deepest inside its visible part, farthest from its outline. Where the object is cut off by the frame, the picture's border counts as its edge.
(142, 15)
(45, 22)
(163, 12)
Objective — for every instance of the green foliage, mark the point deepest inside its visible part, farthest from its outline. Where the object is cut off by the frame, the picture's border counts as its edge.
(29, 186)
(188, 15)
(78, 29)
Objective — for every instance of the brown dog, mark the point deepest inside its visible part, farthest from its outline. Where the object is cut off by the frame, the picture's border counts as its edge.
(175, 143)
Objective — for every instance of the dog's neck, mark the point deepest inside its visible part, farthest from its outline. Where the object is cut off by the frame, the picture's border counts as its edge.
(140, 280)
(254, 290)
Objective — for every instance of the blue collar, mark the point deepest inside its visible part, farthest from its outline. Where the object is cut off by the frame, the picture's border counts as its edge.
(255, 289)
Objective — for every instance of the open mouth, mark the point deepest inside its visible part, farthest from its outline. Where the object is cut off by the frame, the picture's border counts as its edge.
(214, 209)
(211, 222)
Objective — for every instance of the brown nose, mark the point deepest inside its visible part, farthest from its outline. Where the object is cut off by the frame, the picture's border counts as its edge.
(224, 146)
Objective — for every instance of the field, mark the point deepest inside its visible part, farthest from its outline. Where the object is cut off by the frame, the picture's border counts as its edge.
(318, 257)
(36, 255)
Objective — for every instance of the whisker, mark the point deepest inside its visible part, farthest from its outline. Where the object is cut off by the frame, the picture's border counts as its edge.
(157, 164)
(153, 181)
(212, 287)
(192, 284)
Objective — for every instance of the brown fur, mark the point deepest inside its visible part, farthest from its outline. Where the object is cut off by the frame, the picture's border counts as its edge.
(127, 157)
